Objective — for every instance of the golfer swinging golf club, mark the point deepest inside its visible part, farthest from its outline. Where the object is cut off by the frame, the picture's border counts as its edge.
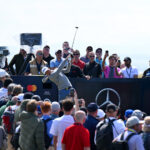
(59, 78)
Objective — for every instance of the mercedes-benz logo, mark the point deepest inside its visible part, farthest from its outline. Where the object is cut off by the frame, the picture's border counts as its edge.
(107, 101)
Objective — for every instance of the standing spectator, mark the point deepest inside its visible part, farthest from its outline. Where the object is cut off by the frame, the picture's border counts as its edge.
(35, 66)
(3, 139)
(77, 61)
(46, 111)
(110, 71)
(4, 89)
(81, 137)
(32, 129)
(98, 58)
(86, 57)
(66, 49)
(146, 133)
(91, 122)
(129, 71)
(60, 124)
(3, 75)
(55, 110)
(133, 127)
(56, 62)
(18, 61)
(128, 114)
(91, 68)
(146, 73)
(59, 78)
(46, 54)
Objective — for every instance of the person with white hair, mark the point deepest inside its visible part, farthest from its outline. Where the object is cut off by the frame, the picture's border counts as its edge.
(81, 136)
(55, 109)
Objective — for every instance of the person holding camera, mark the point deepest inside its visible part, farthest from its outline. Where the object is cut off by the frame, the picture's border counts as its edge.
(59, 78)
(66, 49)
(110, 71)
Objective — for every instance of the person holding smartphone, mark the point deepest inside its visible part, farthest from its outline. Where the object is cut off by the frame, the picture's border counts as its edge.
(59, 78)
(110, 71)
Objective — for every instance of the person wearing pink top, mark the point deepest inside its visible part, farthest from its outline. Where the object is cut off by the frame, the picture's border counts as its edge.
(110, 71)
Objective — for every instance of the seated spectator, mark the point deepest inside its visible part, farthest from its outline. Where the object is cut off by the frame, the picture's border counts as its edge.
(146, 133)
(146, 73)
(129, 71)
(77, 61)
(91, 122)
(133, 127)
(66, 49)
(35, 66)
(18, 61)
(76, 137)
(86, 57)
(60, 124)
(56, 62)
(92, 69)
(4, 89)
(55, 110)
(32, 129)
(110, 71)
(46, 54)
(46, 111)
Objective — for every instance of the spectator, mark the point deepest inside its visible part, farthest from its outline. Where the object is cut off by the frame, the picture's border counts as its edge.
(129, 71)
(66, 49)
(128, 114)
(138, 113)
(98, 58)
(46, 54)
(36, 97)
(55, 110)
(81, 137)
(60, 124)
(59, 78)
(100, 115)
(110, 71)
(146, 133)
(135, 142)
(3, 139)
(18, 61)
(56, 62)
(17, 90)
(92, 69)
(32, 129)
(146, 73)
(4, 89)
(77, 61)
(46, 111)
(86, 57)
(3, 75)
(35, 66)
(91, 122)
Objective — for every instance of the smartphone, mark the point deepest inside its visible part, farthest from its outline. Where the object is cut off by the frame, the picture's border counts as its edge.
(72, 90)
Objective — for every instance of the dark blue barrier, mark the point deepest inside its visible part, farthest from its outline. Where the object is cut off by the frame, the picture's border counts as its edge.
(134, 93)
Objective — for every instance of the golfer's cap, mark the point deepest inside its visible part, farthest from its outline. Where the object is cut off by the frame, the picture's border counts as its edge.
(44, 69)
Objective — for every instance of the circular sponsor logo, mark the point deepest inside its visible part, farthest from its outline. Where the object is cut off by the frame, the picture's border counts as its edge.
(31, 88)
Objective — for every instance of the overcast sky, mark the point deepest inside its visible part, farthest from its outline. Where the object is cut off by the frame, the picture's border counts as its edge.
(122, 27)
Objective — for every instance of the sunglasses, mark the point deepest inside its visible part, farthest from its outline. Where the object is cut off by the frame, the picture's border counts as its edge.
(40, 54)
(92, 56)
(75, 54)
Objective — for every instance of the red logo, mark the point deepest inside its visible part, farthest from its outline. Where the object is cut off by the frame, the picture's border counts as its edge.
(31, 88)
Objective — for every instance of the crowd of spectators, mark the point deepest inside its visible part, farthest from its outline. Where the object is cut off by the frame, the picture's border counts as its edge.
(92, 65)
(28, 122)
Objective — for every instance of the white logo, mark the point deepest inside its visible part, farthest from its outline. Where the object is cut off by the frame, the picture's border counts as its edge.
(108, 101)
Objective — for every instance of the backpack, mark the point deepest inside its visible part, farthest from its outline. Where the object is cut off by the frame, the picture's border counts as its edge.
(47, 139)
(104, 135)
(8, 120)
(122, 144)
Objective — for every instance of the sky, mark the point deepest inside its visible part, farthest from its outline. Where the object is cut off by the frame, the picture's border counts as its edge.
(122, 27)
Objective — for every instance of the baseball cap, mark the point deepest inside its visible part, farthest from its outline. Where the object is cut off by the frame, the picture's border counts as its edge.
(44, 69)
(58, 51)
(132, 121)
(20, 97)
(111, 107)
(3, 73)
(128, 113)
(100, 113)
(127, 59)
(55, 106)
(92, 107)
(138, 113)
